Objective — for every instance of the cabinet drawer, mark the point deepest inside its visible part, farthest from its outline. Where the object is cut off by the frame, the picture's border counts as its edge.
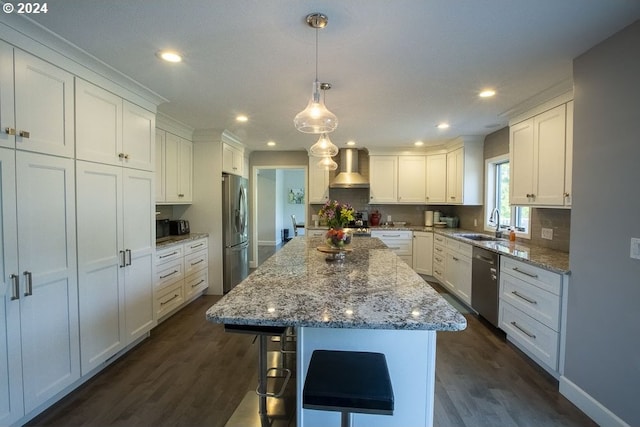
(537, 276)
(400, 246)
(169, 299)
(169, 254)
(196, 283)
(462, 248)
(195, 262)
(392, 234)
(438, 272)
(439, 239)
(438, 260)
(532, 335)
(537, 303)
(439, 250)
(196, 245)
(169, 273)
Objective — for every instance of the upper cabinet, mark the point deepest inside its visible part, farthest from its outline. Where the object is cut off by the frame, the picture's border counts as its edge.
(36, 104)
(538, 155)
(318, 182)
(232, 159)
(113, 131)
(436, 174)
(178, 169)
(465, 173)
(411, 179)
(383, 179)
(568, 161)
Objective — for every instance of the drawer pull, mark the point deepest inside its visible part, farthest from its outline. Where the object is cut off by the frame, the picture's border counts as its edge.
(197, 284)
(438, 249)
(535, 276)
(394, 247)
(28, 276)
(524, 331)
(197, 262)
(455, 259)
(529, 300)
(10, 131)
(168, 255)
(437, 272)
(170, 274)
(24, 134)
(16, 287)
(170, 299)
(390, 235)
(196, 246)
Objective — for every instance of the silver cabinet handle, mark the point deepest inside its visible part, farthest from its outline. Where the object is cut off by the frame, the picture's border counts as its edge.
(16, 287)
(197, 262)
(455, 259)
(180, 195)
(196, 246)
(121, 255)
(126, 157)
(127, 253)
(199, 283)
(170, 274)
(519, 295)
(168, 255)
(170, 299)
(28, 289)
(535, 276)
(10, 131)
(524, 331)
(24, 134)
(390, 235)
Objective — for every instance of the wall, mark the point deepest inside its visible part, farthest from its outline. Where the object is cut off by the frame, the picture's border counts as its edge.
(603, 324)
(266, 221)
(292, 179)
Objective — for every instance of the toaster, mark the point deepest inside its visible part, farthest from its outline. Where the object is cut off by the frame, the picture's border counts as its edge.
(179, 227)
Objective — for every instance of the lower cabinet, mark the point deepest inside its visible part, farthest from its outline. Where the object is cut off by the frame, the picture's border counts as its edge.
(181, 275)
(531, 310)
(452, 266)
(399, 241)
(423, 252)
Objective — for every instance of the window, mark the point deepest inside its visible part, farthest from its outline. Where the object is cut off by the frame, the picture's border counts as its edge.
(497, 197)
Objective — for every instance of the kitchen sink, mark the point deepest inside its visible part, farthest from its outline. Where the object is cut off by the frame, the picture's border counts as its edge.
(479, 237)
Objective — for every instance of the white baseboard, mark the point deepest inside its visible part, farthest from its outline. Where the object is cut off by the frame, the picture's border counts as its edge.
(590, 406)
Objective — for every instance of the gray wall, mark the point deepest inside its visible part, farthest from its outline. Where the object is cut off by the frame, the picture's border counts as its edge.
(603, 325)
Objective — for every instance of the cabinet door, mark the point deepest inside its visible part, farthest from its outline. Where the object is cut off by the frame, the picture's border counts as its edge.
(7, 118)
(318, 182)
(568, 163)
(549, 136)
(383, 178)
(458, 275)
(100, 262)
(185, 177)
(160, 166)
(232, 160)
(411, 179)
(436, 177)
(171, 168)
(455, 176)
(423, 253)
(98, 124)
(521, 149)
(139, 243)
(10, 352)
(138, 137)
(44, 106)
(47, 248)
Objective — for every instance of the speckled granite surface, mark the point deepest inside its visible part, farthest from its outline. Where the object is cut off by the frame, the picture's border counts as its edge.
(371, 289)
(177, 240)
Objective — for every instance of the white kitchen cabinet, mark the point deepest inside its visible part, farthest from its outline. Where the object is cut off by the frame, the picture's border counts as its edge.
(47, 265)
(411, 179)
(115, 259)
(458, 269)
(423, 252)
(161, 173)
(383, 179)
(232, 159)
(318, 182)
(178, 169)
(7, 116)
(111, 130)
(537, 156)
(439, 255)
(455, 176)
(399, 241)
(465, 173)
(11, 393)
(568, 161)
(436, 178)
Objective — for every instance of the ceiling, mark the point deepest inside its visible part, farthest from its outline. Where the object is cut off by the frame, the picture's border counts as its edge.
(398, 68)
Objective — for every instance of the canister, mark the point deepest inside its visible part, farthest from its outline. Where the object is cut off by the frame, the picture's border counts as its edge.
(428, 218)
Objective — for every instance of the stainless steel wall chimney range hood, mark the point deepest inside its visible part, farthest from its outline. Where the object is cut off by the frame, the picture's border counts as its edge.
(349, 177)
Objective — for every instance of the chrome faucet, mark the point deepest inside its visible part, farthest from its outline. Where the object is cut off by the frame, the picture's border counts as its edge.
(495, 218)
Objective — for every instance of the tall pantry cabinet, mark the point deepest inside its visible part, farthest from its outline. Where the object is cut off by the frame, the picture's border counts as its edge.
(116, 232)
(39, 345)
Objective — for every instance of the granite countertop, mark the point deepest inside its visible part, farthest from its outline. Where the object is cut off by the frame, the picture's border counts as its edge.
(177, 240)
(371, 289)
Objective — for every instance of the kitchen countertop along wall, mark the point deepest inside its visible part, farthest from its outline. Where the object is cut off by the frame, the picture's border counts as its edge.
(178, 240)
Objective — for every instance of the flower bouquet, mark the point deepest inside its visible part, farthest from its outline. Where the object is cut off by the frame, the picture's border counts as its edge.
(337, 215)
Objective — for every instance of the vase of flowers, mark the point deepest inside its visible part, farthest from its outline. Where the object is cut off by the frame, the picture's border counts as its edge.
(337, 215)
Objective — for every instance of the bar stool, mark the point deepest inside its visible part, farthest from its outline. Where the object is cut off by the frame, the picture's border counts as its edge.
(348, 382)
(263, 332)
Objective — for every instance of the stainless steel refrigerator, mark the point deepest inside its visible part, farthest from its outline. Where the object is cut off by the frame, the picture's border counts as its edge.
(234, 230)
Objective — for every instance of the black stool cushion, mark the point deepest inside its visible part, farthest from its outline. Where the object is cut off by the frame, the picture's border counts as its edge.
(348, 381)
(255, 329)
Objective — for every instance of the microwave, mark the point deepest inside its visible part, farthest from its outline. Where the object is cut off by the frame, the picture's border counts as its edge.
(179, 227)
(163, 229)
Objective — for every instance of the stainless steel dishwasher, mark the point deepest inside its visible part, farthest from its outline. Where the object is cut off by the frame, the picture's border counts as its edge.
(485, 268)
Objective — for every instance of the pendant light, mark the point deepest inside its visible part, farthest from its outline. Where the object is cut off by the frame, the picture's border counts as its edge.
(327, 163)
(324, 147)
(316, 118)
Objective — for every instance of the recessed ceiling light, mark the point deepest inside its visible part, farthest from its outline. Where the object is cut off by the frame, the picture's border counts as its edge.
(271, 144)
(418, 143)
(242, 118)
(443, 125)
(351, 143)
(487, 93)
(169, 56)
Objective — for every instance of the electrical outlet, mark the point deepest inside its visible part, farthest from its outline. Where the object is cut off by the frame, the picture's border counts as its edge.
(635, 248)
(475, 222)
(388, 218)
(547, 233)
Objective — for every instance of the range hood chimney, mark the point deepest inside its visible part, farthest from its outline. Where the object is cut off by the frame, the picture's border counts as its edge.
(349, 177)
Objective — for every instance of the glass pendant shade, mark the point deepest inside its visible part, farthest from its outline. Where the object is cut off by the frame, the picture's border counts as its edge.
(328, 164)
(316, 118)
(324, 147)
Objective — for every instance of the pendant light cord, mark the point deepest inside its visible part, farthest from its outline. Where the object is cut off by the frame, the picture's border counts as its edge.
(316, 54)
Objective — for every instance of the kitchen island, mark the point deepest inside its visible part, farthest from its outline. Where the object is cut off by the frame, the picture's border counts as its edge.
(371, 301)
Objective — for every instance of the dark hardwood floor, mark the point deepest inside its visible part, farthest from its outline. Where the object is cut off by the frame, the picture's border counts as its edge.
(191, 373)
